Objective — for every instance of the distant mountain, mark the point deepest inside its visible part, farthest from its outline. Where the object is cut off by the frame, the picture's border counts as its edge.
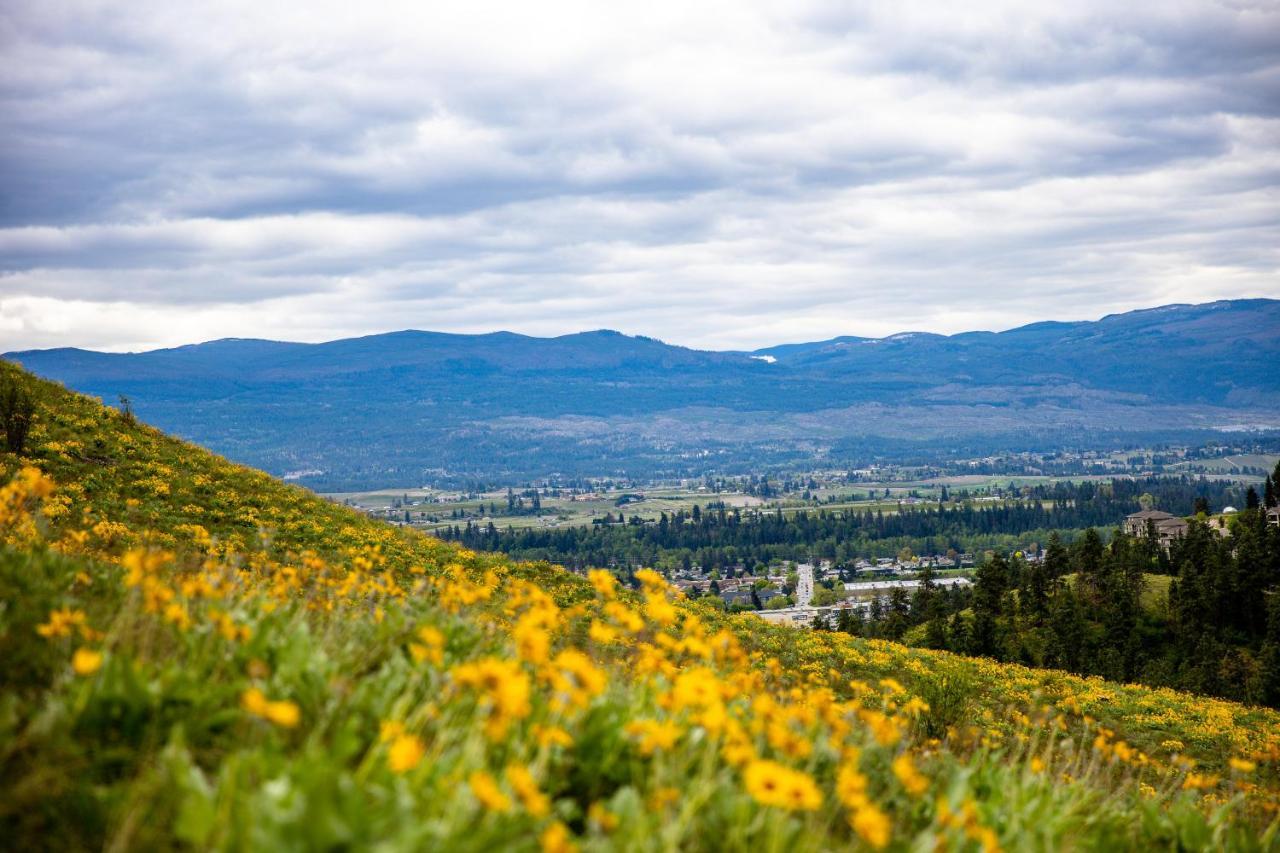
(408, 407)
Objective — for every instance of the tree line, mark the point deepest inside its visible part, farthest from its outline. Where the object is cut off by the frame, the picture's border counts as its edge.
(722, 538)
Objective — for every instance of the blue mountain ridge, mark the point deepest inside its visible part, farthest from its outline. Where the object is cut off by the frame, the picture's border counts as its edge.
(393, 406)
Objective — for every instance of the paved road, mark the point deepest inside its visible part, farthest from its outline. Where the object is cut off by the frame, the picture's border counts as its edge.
(804, 585)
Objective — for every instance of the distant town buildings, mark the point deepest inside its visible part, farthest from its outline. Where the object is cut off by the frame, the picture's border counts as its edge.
(1166, 527)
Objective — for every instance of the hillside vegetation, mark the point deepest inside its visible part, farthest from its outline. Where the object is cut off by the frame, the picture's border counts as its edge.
(195, 655)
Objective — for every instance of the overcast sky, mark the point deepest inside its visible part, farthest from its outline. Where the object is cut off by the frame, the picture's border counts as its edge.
(721, 175)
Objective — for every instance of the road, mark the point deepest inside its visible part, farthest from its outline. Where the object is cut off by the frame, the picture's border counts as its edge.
(804, 585)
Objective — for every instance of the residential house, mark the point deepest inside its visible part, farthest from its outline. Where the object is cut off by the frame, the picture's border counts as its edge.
(1166, 527)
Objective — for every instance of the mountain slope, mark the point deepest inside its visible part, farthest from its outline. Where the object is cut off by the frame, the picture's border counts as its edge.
(405, 407)
(193, 654)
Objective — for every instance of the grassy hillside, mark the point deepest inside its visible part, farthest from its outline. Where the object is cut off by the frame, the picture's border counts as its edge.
(193, 654)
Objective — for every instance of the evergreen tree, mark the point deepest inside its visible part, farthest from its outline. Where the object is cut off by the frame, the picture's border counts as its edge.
(1035, 593)
(898, 618)
(960, 633)
(935, 634)
(990, 585)
(1068, 631)
(1267, 690)
(1057, 562)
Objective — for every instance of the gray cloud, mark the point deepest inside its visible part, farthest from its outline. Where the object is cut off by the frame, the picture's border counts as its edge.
(724, 175)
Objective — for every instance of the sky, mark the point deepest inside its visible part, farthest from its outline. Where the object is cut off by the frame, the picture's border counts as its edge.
(726, 175)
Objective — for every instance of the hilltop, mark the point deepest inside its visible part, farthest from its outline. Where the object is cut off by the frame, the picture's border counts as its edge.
(195, 654)
(409, 407)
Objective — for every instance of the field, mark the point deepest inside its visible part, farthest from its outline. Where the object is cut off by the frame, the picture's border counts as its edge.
(431, 509)
(195, 655)
(1241, 465)
(556, 511)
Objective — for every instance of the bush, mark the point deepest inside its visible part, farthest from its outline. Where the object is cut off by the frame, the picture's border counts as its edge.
(949, 694)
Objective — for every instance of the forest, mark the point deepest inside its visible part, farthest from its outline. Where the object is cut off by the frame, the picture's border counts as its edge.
(1096, 608)
(716, 537)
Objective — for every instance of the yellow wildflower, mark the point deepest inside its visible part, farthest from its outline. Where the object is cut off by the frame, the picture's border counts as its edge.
(872, 825)
(282, 713)
(773, 784)
(911, 778)
(505, 690)
(556, 839)
(487, 792)
(405, 753)
(851, 786)
(430, 648)
(604, 819)
(1242, 765)
(695, 688)
(605, 583)
(61, 622)
(602, 633)
(522, 782)
(662, 797)
(533, 643)
(659, 610)
(551, 735)
(574, 679)
(86, 661)
(653, 735)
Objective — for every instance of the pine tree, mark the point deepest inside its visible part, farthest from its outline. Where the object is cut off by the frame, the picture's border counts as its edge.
(1035, 593)
(1056, 560)
(935, 634)
(990, 585)
(17, 411)
(1268, 688)
(1068, 631)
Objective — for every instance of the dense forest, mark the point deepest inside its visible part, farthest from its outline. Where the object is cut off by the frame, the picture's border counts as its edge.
(722, 538)
(1101, 609)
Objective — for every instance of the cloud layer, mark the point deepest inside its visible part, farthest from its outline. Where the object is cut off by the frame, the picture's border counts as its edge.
(720, 175)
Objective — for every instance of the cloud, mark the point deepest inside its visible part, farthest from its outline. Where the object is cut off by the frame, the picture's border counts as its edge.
(721, 175)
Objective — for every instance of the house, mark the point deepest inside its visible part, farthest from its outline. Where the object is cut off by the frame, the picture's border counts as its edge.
(1273, 515)
(1166, 527)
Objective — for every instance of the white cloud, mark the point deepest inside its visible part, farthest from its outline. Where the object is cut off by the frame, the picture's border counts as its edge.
(724, 175)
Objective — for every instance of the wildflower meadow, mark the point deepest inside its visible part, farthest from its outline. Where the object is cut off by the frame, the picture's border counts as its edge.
(194, 655)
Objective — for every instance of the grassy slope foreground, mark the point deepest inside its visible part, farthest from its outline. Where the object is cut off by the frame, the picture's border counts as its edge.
(193, 654)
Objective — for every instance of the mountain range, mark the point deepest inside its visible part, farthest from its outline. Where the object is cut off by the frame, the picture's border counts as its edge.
(410, 407)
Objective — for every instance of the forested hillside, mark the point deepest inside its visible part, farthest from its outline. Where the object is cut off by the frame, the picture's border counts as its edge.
(1204, 616)
(195, 655)
(411, 407)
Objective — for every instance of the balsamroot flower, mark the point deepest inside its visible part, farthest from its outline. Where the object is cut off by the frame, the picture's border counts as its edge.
(773, 784)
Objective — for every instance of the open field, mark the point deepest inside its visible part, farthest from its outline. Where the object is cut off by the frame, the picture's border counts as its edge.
(1241, 466)
(430, 509)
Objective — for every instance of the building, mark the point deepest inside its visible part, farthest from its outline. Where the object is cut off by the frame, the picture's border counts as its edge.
(1273, 515)
(1166, 527)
